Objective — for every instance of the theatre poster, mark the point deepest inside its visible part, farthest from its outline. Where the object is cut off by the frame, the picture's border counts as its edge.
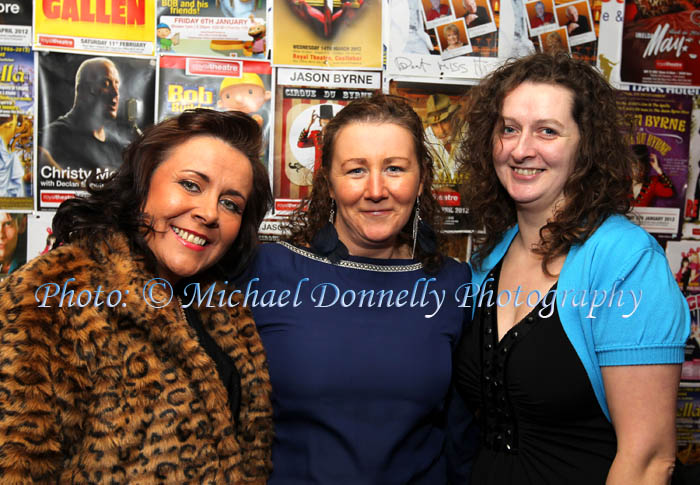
(660, 43)
(440, 107)
(328, 34)
(16, 22)
(305, 99)
(17, 102)
(215, 83)
(213, 28)
(63, 177)
(661, 145)
(124, 27)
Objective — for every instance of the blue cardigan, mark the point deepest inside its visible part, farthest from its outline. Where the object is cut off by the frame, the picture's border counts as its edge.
(617, 300)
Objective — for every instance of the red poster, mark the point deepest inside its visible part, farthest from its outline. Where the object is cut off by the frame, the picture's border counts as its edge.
(660, 43)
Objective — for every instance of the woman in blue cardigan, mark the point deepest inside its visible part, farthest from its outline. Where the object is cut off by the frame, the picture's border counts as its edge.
(573, 361)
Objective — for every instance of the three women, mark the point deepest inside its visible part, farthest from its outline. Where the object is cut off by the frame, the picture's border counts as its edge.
(360, 362)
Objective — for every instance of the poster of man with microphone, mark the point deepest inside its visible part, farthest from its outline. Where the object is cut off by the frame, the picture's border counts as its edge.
(89, 109)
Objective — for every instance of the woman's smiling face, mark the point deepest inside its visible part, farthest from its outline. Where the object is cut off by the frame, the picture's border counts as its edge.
(195, 203)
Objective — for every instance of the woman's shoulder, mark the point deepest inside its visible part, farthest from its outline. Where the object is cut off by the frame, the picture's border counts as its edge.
(279, 253)
(454, 268)
(620, 236)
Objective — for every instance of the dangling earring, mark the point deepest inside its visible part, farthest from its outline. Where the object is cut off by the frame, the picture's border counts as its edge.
(416, 220)
(326, 242)
(331, 215)
(423, 234)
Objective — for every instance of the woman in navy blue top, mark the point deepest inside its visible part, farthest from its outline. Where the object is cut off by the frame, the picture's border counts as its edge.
(359, 313)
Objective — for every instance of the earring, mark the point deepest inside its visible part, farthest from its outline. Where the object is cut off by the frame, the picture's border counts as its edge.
(416, 220)
(326, 242)
(331, 215)
(423, 234)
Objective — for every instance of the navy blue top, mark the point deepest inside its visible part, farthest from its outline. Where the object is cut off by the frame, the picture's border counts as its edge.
(360, 358)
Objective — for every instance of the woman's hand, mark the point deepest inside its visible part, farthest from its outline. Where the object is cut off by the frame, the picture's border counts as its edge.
(642, 403)
(654, 162)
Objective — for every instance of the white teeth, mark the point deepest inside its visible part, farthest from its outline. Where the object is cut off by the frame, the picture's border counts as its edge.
(189, 237)
(527, 171)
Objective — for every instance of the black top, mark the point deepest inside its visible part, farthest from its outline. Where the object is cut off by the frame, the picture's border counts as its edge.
(540, 420)
(73, 146)
(225, 365)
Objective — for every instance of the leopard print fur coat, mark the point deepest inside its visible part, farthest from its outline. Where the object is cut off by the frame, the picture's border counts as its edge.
(123, 393)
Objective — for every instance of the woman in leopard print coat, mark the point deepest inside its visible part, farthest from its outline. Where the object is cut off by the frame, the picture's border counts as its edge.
(118, 390)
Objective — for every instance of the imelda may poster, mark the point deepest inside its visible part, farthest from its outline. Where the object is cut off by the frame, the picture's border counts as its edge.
(327, 34)
(660, 43)
(661, 147)
(221, 28)
(221, 84)
(97, 26)
(89, 108)
(305, 101)
(16, 127)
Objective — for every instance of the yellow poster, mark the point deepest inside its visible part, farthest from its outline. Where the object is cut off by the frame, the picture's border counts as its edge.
(327, 33)
(96, 26)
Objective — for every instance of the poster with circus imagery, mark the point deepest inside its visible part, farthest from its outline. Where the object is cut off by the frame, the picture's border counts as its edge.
(305, 100)
(660, 43)
(661, 148)
(439, 106)
(327, 34)
(215, 83)
(688, 425)
(684, 261)
(213, 28)
(17, 77)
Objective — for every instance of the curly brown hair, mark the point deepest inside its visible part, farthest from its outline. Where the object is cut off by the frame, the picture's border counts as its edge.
(314, 211)
(601, 182)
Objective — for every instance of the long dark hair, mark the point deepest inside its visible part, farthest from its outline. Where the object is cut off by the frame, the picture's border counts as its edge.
(601, 182)
(116, 204)
(314, 211)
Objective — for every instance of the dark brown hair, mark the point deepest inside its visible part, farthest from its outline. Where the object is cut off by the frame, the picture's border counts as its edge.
(379, 108)
(117, 203)
(600, 184)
